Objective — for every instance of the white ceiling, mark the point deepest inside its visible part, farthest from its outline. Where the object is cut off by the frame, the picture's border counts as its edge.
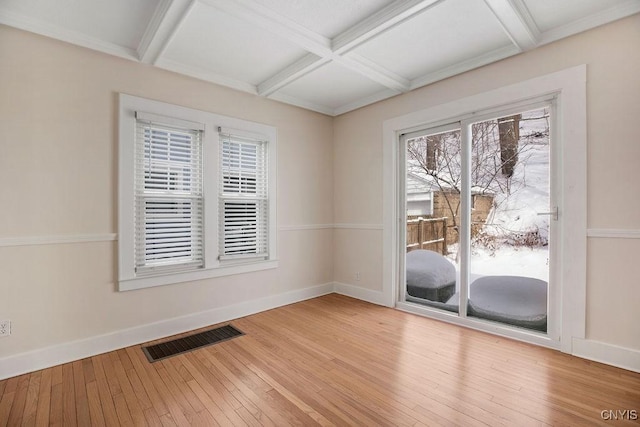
(330, 56)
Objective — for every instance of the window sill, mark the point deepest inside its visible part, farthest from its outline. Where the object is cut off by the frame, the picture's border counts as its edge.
(129, 284)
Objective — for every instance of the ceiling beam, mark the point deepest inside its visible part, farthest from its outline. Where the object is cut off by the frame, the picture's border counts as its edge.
(383, 20)
(205, 75)
(167, 19)
(466, 65)
(516, 22)
(291, 100)
(320, 48)
(291, 73)
(352, 62)
(387, 93)
(275, 24)
(374, 72)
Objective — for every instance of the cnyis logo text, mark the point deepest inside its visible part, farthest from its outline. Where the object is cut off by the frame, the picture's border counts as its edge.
(619, 414)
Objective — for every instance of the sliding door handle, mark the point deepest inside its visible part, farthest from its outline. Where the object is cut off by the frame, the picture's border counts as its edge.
(553, 214)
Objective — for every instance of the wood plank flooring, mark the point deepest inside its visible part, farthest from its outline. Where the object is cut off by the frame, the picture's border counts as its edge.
(328, 361)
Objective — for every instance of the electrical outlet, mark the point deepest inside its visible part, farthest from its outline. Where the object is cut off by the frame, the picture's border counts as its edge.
(357, 276)
(5, 328)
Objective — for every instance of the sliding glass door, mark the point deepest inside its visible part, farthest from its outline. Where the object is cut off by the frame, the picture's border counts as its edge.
(479, 218)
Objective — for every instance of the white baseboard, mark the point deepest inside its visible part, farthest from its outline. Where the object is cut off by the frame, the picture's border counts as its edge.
(63, 353)
(609, 354)
(67, 352)
(375, 297)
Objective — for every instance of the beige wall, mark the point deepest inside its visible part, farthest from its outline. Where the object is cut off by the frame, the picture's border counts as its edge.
(612, 55)
(58, 177)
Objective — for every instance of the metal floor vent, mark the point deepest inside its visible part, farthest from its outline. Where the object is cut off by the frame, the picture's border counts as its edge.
(192, 342)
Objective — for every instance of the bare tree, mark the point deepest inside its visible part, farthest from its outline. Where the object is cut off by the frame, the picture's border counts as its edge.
(509, 130)
(438, 156)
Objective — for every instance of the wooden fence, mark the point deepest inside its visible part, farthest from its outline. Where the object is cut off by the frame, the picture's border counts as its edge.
(427, 233)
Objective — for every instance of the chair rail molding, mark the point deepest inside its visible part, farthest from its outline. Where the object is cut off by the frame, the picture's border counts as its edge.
(59, 239)
(613, 233)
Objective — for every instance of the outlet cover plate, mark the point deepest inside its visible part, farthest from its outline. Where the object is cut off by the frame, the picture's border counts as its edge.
(5, 328)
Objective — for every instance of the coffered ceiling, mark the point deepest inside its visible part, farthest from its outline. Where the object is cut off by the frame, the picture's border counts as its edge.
(330, 56)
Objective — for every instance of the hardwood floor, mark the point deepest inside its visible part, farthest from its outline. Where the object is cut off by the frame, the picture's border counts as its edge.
(329, 361)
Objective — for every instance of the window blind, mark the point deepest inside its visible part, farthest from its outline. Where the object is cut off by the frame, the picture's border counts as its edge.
(168, 195)
(243, 197)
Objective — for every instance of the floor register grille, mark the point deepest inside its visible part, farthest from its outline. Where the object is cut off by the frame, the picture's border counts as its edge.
(189, 343)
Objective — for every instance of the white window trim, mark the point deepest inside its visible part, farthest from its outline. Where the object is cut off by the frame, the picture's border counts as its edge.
(571, 132)
(127, 278)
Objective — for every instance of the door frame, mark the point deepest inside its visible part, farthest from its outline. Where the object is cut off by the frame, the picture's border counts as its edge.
(568, 87)
(464, 126)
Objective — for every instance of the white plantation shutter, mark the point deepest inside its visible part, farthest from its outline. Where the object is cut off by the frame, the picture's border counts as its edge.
(243, 197)
(168, 195)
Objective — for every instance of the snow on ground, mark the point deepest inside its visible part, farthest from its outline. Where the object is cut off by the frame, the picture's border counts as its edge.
(511, 261)
(518, 211)
(506, 261)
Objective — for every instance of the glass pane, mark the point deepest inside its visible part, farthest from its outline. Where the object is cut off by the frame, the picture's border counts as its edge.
(433, 218)
(510, 190)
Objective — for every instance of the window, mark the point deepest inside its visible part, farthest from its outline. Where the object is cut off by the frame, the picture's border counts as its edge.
(243, 197)
(420, 204)
(168, 196)
(196, 198)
